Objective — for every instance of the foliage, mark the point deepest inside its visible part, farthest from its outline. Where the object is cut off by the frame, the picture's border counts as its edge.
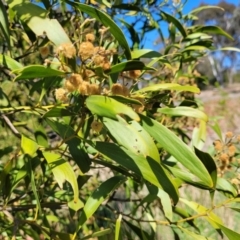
(99, 135)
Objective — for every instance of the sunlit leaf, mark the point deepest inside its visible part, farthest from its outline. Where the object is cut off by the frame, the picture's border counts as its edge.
(9, 62)
(98, 234)
(98, 196)
(28, 146)
(177, 148)
(36, 19)
(168, 86)
(147, 168)
(62, 171)
(225, 186)
(108, 107)
(145, 53)
(193, 235)
(118, 226)
(36, 71)
(184, 111)
(201, 8)
(132, 136)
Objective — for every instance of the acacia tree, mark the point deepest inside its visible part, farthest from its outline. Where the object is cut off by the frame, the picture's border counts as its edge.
(99, 138)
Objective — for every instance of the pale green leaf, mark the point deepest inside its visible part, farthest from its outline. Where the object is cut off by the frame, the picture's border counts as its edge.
(132, 136)
(168, 86)
(28, 146)
(193, 235)
(108, 107)
(166, 203)
(177, 148)
(9, 62)
(184, 111)
(36, 19)
(62, 171)
(118, 226)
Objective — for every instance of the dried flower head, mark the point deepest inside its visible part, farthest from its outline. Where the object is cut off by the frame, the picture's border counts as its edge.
(87, 74)
(44, 51)
(67, 50)
(134, 74)
(231, 150)
(90, 37)
(98, 60)
(235, 181)
(106, 65)
(218, 145)
(61, 94)
(117, 89)
(224, 158)
(138, 108)
(86, 50)
(84, 88)
(229, 134)
(99, 50)
(72, 83)
(96, 126)
(94, 89)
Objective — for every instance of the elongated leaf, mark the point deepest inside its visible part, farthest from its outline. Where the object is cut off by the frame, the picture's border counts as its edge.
(9, 62)
(166, 204)
(4, 24)
(125, 100)
(210, 216)
(132, 136)
(134, 35)
(175, 22)
(172, 144)
(28, 146)
(36, 71)
(58, 112)
(227, 231)
(168, 86)
(225, 186)
(145, 53)
(36, 19)
(118, 226)
(97, 234)
(62, 171)
(214, 30)
(199, 9)
(209, 163)
(232, 49)
(129, 65)
(184, 111)
(108, 107)
(75, 145)
(193, 235)
(147, 168)
(98, 196)
(106, 21)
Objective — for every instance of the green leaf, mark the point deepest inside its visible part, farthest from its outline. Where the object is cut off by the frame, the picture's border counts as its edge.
(224, 185)
(28, 146)
(4, 24)
(134, 35)
(147, 168)
(193, 235)
(75, 145)
(57, 112)
(227, 231)
(107, 22)
(118, 226)
(214, 30)
(9, 62)
(177, 148)
(62, 171)
(125, 100)
(166, 203)
(137, 230)
(108, 107)
(97, 234)
(98, 196)
(232, 49)
(199, 9)
(217, 130)
(36, 71)
(210, 216)
(209, 163)
(36, 19)
(132, 136)
(129, 65)
(170, 19)
(168, 86)
(184, 111)
(145, 53)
